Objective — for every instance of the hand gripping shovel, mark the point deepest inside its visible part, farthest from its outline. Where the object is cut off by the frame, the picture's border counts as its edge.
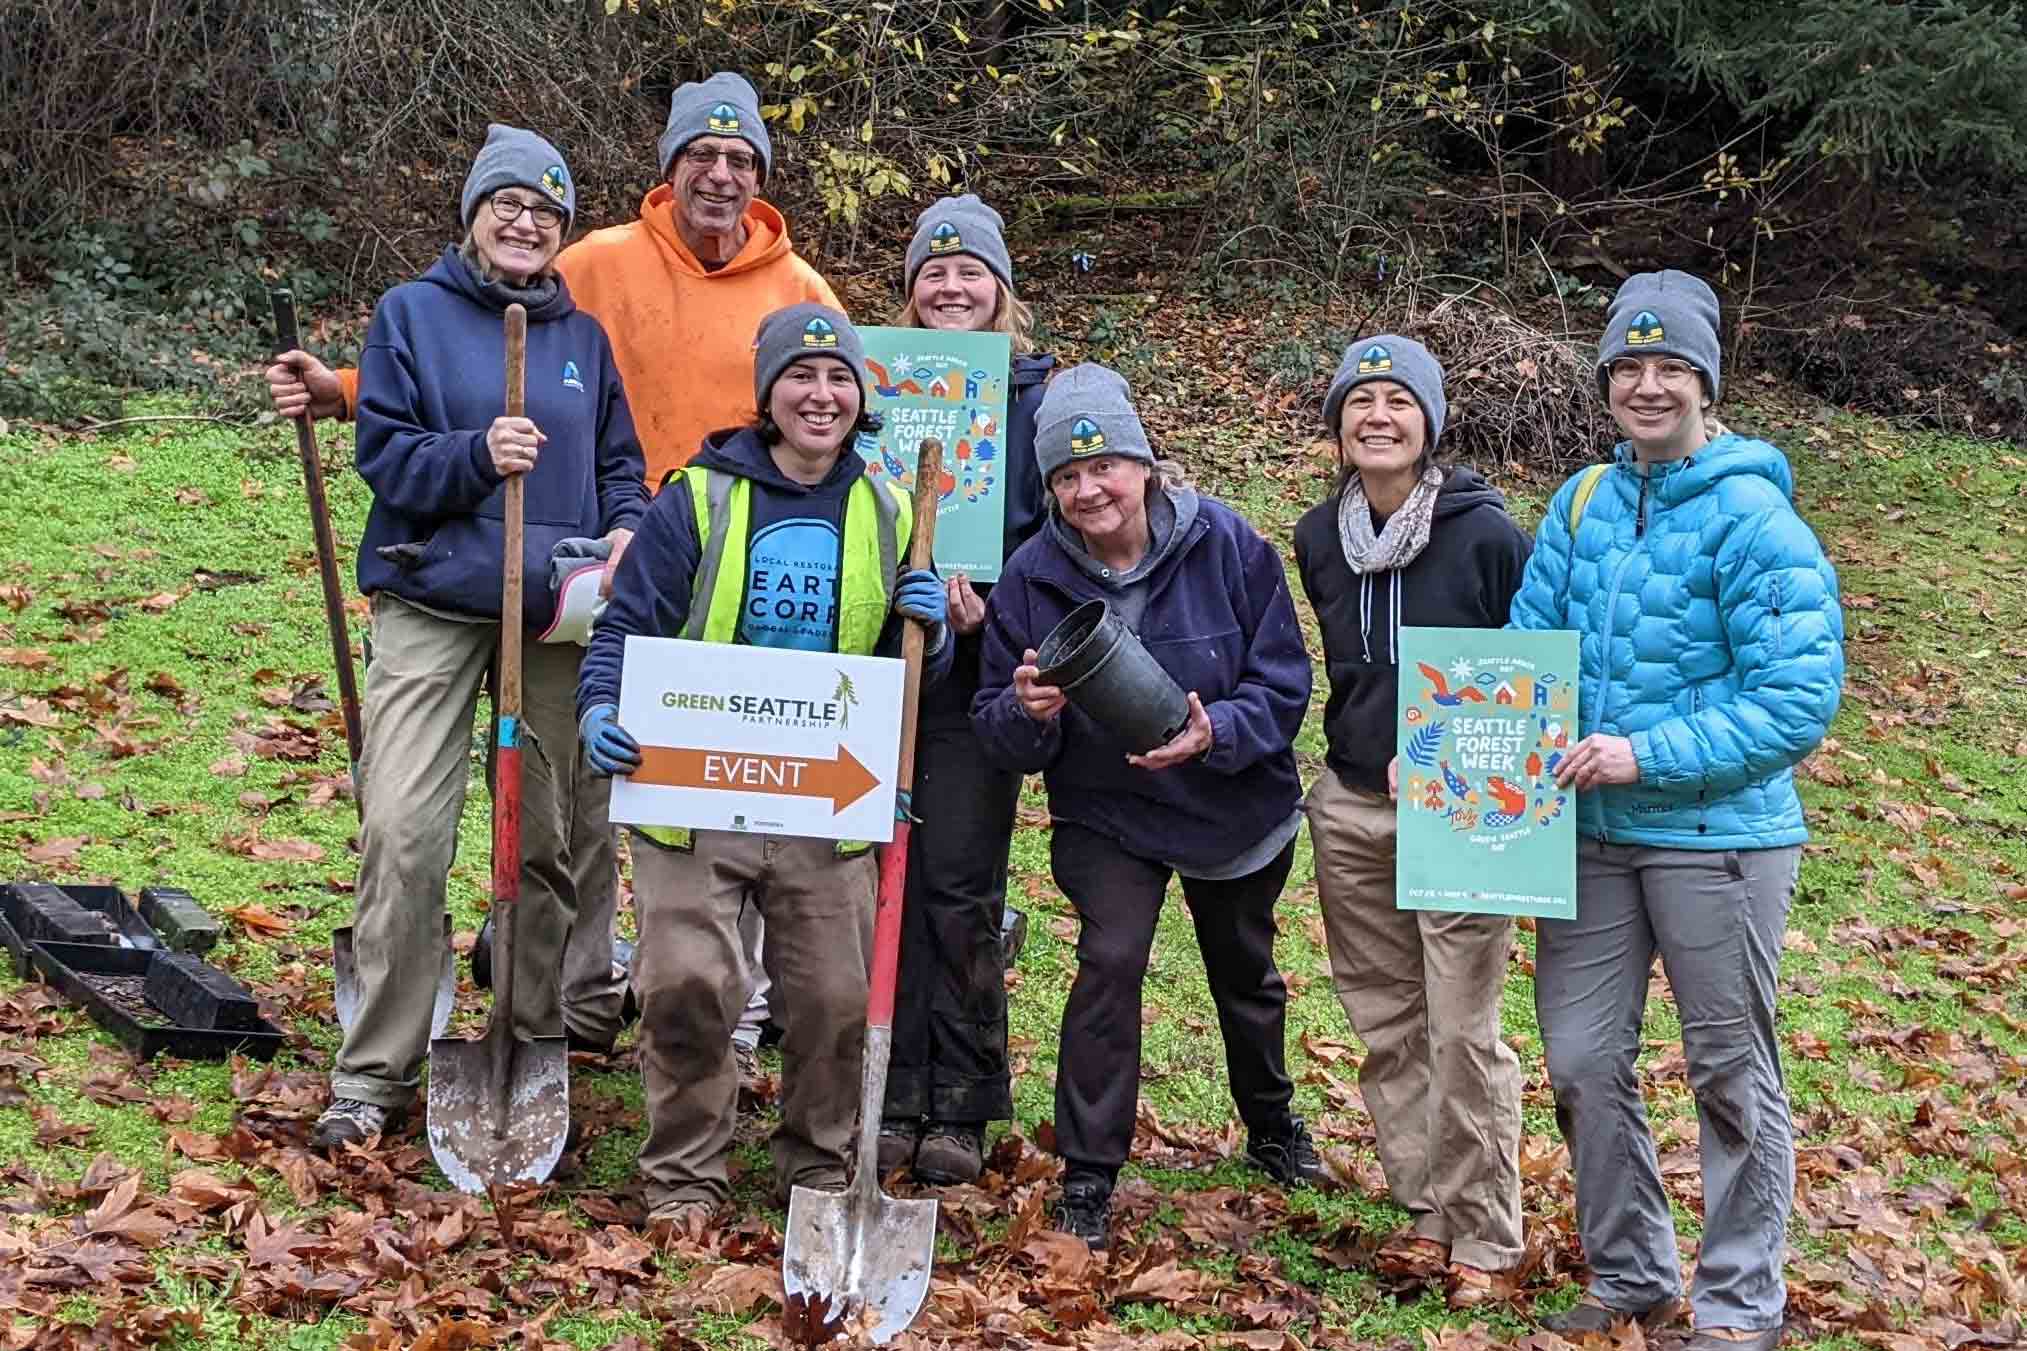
(344, 962)
(499, 1107)
(857, 1261)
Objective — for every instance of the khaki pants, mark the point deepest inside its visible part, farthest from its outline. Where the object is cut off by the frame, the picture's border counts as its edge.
(1422, 990)
(422, 688)
(691, 978)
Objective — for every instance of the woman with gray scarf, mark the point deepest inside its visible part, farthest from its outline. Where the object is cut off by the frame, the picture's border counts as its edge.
(1402, 541)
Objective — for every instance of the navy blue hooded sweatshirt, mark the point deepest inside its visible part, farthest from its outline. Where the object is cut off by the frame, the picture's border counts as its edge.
(432, 378)
(795, 531)
(1219, 619)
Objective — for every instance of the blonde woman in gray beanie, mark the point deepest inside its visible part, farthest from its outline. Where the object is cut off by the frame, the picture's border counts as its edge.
(437, 451)
(1712, 662)
(949, 1076)
(1400, 541)
(1217, 806)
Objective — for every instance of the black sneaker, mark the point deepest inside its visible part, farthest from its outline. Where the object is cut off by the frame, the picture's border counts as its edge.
(348, 1121)
(1085, 1209)
(1289, 1159)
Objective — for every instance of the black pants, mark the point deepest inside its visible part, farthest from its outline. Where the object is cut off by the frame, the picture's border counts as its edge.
(1118, 898)
(949, 1059)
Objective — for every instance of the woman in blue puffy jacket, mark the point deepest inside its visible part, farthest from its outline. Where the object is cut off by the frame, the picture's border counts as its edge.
(1712, 658)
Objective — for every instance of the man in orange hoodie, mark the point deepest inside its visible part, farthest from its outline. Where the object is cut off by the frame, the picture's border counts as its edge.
(680, 292)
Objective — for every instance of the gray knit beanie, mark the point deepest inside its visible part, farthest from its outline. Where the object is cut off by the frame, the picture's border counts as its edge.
(1670, 314)
(954, 225)
(1086, 411)
(1389, 356)
(513, 158)
(724, 105)
(804, 330)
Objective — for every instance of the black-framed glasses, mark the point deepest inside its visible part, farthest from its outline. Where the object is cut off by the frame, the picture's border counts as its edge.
(704, 156)
(507, 210)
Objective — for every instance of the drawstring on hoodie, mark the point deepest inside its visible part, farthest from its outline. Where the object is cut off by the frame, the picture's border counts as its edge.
(1393, 619)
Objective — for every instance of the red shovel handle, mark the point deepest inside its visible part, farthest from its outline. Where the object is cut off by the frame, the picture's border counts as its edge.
(894, 858)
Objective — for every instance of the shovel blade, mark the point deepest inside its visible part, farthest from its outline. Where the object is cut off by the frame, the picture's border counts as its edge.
(474, 1145)
(859, 1256)
(346, 986)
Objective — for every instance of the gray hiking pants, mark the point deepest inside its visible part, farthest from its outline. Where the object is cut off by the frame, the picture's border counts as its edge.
(1717, 919)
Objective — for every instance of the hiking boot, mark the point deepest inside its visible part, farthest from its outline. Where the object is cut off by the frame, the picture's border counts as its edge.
(1085, 1209)
(1013, 936)
(1289, 1159)
(898, 1142)
(482, 955)
(348, 1121)
(952, 1152)
(1590, 1318)
(679, 1220)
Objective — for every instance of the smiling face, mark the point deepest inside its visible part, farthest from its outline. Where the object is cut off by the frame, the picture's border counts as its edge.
(1381, 431)
(815, 403)
(711, 199)
(1658, 404)
(520, 248)
(1103, 498)
(956, 293)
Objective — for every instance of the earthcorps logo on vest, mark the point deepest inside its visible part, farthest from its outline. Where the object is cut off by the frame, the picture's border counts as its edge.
(554, 183)
(723, 119)
(1645, 330)
(820, 335)
(1375, 360)
(1085, 438)
(945, 239)
(570, 377)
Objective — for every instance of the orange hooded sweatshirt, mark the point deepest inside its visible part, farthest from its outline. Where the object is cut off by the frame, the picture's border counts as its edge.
(681, 336)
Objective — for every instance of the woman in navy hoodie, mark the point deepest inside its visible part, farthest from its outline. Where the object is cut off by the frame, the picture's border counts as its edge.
(1403, 541)
(436, 450)
(949, 1074)
(1217, 805)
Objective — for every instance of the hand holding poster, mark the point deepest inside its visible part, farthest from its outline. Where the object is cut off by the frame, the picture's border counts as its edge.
(735, 737)
(952, 386)
(1485, 717)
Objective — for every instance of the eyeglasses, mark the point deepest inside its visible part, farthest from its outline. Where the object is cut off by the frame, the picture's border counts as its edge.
(1626, 372)
(704, 156)
(507, 210)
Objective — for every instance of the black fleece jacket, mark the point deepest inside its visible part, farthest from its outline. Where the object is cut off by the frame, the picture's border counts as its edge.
(1465, 578)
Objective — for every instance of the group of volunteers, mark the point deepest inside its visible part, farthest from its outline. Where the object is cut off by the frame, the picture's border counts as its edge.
(694, 388)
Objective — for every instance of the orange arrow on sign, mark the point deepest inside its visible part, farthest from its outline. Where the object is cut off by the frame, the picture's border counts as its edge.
(843, 780)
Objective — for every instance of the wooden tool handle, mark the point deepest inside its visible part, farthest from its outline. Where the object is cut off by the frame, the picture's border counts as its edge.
(921, 553)
(513, 580)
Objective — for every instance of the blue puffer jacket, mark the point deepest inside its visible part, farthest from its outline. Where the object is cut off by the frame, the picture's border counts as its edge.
(1712, 638)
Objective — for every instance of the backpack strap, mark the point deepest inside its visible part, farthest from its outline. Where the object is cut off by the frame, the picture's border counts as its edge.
(1586, 487)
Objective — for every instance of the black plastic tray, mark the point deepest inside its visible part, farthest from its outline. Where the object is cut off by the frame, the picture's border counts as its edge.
(67, 966)
(133, 931)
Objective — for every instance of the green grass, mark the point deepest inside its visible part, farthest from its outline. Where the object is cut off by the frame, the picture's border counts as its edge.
(1904, 1015)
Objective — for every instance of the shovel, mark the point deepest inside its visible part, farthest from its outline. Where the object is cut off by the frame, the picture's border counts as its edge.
(345, 992)
(499, 1107)
(857, 1261)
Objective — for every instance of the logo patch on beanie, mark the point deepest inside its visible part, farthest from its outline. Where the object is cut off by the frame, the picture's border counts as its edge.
(820, 334)
(1645, 330)
(1375, 360)
(1085, 438)
(723, 119)
(554, 183)
(945, 239)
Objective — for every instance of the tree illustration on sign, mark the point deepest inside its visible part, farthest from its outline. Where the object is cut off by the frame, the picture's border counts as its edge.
(844, 696)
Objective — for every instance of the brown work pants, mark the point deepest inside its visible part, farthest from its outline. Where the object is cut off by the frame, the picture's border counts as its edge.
(690, 976)
(1422, 990)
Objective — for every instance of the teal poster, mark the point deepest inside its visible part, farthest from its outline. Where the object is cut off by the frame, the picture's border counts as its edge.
(952, 386)
(1485, 716)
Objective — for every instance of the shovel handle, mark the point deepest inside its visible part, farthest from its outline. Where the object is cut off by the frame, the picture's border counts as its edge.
(507, 760)
(894, 858)
(283, 302)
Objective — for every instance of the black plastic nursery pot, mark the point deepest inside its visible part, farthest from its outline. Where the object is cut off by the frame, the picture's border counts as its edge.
(1101, 667)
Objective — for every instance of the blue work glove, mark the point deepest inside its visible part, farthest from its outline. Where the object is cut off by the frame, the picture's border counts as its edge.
(920, 596)
(609, 747)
